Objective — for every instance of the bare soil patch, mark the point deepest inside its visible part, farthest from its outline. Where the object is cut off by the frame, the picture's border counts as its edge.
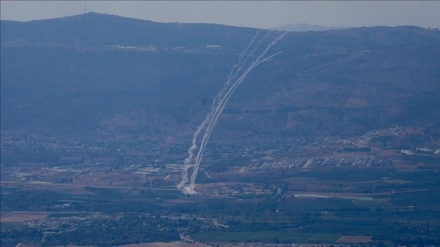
(354, 239)
(18, 217)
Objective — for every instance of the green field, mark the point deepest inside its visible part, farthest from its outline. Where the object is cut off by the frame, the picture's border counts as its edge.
(402, 209)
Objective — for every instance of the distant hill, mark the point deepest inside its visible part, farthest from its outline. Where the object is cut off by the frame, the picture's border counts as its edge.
(96, 75)
(304, 27)
(102, 29)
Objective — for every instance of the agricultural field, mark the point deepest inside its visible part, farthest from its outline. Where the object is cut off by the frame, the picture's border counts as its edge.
(315, 205)
(22, 216)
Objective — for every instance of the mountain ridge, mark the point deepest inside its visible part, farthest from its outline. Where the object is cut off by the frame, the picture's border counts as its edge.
(356, 79)
(306, 27)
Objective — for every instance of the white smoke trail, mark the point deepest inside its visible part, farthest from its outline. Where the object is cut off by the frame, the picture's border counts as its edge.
(214, 120)
(241, 65)
(224, 100)
(269, 46)
(217, 108)
(190, 189)
(187, 163)
(188, 160)
(234, 70)
(237, 67)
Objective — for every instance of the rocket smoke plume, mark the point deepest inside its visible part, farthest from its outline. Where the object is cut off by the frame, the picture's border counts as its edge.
(235, 78)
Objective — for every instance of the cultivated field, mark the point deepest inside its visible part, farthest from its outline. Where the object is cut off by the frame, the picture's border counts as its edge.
(22, 216)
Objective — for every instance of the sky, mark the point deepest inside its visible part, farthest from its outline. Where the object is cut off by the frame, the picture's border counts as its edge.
(260, 14)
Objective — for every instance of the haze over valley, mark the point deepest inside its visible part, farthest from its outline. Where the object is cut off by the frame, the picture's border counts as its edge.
(207, 134)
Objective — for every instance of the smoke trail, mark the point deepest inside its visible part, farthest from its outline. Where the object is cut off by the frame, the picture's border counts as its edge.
(237, 67)
(190, 189)
(188, 160)
(217, 108)
(214, 120)
(269, 46)
(240, 66)
(234, 70)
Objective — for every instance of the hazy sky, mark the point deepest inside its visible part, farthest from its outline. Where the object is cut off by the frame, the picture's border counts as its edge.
(262, 14)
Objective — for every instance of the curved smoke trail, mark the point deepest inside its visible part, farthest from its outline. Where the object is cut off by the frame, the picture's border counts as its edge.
(188, 160)
(217, 108)
(239, 66)
(214, 120)
(233, 72)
